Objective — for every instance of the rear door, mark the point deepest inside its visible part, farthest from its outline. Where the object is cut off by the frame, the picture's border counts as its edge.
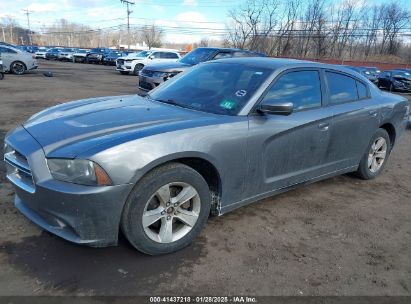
(355, 118)
(287, 150)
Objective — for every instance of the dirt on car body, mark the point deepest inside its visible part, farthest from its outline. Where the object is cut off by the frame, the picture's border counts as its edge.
(342, 236)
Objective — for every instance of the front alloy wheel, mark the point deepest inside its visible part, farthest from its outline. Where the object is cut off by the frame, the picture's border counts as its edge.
(166, 209)
(171, 212)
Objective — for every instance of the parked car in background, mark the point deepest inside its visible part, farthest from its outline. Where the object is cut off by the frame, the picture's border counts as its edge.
(41, 52)
(1, 69)
(17, 61)
(154, 74)
(53, 54)
(370, 72)
(97, 55)
(134, 62)
(28, 48)
(66, 54)
(110, 58)
(80, 55)
(395, 80)
(222, 135)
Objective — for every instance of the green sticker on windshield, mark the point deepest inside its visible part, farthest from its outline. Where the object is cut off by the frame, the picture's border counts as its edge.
(227, 104)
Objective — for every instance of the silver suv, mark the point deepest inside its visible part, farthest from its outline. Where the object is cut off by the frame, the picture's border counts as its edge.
(17, 61)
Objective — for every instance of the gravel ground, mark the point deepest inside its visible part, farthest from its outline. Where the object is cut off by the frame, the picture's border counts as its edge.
(342, 236)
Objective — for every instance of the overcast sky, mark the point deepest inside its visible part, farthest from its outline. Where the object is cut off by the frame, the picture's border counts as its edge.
(178, 17)
(172, 14)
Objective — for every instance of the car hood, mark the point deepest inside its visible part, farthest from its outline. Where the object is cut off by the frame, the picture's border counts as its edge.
(402, 78)
(70, 129)
(168, 67)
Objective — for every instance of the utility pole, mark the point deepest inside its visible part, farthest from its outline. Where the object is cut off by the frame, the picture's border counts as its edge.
(128, 3)
(4, 36)
(27, 12)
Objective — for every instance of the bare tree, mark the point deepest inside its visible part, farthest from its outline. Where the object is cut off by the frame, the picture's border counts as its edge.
(252, 23)
(152, 36)
(394, 18)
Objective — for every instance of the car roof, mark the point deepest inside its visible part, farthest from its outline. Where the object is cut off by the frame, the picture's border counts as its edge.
(272, 63)
(228, 49)
(281, 63)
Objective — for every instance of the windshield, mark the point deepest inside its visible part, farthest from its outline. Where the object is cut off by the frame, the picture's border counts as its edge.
(197, 56)
(219, 88)
(141, 54)
(402, 74)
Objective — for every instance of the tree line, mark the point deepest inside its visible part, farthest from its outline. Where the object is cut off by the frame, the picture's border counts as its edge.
(321, 29)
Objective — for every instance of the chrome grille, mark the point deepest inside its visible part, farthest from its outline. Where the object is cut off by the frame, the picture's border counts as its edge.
(18, 169)
(147, 73)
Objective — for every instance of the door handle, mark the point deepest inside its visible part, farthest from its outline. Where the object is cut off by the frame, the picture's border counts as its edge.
(373, 113)
(324, 126)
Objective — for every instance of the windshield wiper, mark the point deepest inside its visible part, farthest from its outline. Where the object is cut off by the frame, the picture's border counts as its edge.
(168, 101)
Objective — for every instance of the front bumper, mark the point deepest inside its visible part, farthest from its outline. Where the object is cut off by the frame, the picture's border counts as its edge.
(123, 68)
(77, 213)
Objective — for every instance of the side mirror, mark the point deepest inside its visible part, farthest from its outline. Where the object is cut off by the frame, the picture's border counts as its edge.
(151, 57)
(276, 108)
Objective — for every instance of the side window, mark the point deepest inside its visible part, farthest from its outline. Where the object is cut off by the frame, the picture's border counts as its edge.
(362, 90)
(341, 88)
(169, 55)
(7, 50)
(302, 88)
(156, 55)
(223, 55)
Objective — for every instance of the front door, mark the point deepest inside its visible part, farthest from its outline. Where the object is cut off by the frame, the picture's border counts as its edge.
(286, 150)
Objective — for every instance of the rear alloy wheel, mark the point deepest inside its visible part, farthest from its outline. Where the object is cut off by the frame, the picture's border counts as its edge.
(18, 68)
(138, 68)
(375, 158)
(166, 210)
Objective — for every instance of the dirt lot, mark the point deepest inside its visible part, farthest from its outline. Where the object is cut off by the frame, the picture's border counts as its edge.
(342, 236)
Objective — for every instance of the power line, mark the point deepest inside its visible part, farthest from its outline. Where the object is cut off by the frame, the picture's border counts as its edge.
(128, 3)
(27, 12)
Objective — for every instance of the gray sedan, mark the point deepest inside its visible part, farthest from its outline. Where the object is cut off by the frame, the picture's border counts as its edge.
(217, 137)
(17, 61)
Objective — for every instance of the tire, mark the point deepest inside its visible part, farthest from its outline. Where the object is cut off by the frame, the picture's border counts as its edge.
(137, 68)
(123, 73)
(152, 238)
(18, 67)
(1, 76)
(364, 170)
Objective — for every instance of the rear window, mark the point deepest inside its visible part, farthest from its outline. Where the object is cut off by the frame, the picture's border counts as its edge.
(342, 88)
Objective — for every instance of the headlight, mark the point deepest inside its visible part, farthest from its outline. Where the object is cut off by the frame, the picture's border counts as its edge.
(160, 74)
(78, 171)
